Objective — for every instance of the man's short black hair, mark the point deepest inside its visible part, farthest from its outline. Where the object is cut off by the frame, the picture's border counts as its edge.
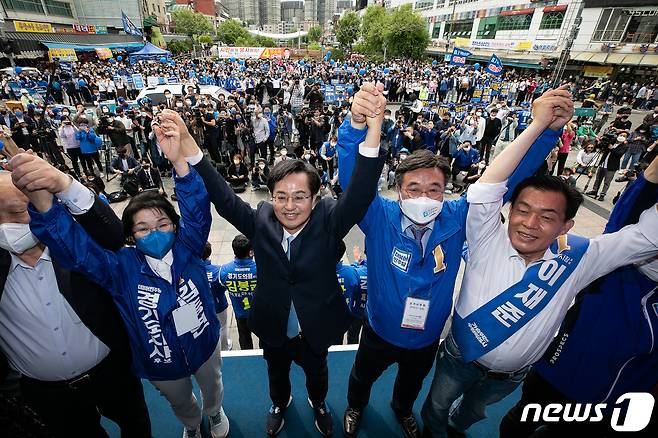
(287, 167)
(421, 159)
(207, 251)
(341, 249)
(146, 200)
(241, 246)
(547, 183)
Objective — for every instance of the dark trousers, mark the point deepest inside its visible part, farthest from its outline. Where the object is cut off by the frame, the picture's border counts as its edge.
(485, 149)
(76, 156)
(92, 158)
(561, 161)
(314, 365)
(74, 409)
(261, 148)
(328, 166)
(354, 332)
(374, 356)
(244, 334)
(537, 390)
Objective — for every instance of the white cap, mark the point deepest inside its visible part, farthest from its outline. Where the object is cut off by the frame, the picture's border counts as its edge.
(24, 91)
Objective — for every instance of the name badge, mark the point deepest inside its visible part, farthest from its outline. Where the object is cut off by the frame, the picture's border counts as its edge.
(185, 319)
(415, 313)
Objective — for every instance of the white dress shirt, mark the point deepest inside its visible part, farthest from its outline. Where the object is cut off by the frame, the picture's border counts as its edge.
(494, 265)
(41, 334)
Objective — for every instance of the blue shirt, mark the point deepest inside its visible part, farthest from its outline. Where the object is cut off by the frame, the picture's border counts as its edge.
(240, 279)
(396, 267)
(348, 279)
(217, 289)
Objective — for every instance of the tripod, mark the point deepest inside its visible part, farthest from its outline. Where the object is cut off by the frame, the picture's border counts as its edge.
(106, 150)
(588, 165)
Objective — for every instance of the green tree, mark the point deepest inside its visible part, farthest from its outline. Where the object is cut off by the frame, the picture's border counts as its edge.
(373, 26)
(314, 33)
(177, 47)
(187, 22)
(247, 41)
(230, 31)
(347, 29)
(205, 39)
(406, 36)
(263, 41)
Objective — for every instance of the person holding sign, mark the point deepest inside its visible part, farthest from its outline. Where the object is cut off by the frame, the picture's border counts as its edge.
(518, 284)
(160, 285)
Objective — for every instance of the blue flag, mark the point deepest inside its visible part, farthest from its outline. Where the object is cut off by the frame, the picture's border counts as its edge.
(495, 66)
(129, 27)
(459, 56)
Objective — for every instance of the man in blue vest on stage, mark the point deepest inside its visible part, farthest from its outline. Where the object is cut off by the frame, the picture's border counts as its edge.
(518, 284)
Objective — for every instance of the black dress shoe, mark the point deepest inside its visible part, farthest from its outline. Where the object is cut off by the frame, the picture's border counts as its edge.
(275, 419)
(351, 422)
(408, 423)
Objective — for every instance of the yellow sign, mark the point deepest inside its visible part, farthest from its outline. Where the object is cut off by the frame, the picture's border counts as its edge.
(103, 53)
(62, 54)
(32, 26)
(462, 42)
(523, 46)
(598, 71)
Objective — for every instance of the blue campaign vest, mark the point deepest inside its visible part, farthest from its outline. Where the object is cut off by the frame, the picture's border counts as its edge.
(496, 321)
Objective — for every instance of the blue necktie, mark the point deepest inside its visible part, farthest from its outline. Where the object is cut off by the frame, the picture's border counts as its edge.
(418, 236)
(293, 323)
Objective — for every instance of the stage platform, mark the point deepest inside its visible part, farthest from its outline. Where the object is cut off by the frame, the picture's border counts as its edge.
(246, 401)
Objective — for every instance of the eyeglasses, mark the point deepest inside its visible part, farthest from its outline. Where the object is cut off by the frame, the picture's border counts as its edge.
(143, 230)
(296, 199)
(433, 193)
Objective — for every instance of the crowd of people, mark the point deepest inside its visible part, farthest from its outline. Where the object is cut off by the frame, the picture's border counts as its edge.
(157, 307)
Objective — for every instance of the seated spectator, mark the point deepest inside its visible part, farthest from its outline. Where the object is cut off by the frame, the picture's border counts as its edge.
(237, 174)
(124, 165)
(259, 175)
(148, 178)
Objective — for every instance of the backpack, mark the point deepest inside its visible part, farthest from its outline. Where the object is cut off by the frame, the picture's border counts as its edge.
(117, 196)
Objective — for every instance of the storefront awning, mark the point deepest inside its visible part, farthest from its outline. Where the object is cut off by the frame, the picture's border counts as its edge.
(32, 41)
(89, 48)
(649, 60)
(581, 56)
(615, 58)
(598, 57)
(633, 59)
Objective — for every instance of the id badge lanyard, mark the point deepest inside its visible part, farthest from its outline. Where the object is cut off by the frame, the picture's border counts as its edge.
(417, 302)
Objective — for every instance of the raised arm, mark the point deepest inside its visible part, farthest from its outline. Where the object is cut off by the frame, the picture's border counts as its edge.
(553, 110)
(229, 206)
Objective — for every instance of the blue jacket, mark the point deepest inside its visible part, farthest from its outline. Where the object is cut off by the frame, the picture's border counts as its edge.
(216, 288)
(608, 342)
(348, 279)
(396, 269)
(464, 160)
(144, 299)
(240, 279)
(429, 138)
(360, 303)
(89, 141)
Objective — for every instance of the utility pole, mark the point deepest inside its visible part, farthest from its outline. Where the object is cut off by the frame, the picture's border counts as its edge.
(563, 60)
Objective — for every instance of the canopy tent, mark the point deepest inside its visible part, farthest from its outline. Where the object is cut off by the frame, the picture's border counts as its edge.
(91, 47)
(149, 51)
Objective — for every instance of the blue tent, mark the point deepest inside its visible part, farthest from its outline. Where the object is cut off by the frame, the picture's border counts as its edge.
(149, 51)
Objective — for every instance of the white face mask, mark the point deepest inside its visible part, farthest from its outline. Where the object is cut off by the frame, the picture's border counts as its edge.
(307, 156)
(621, 139)
(236, 162)
(421, 210)
(284, 152)
(17, 238)
(261, 166)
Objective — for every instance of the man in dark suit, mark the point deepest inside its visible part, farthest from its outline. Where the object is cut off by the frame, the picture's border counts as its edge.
(59, 330)
(148, 177)
(298, 309)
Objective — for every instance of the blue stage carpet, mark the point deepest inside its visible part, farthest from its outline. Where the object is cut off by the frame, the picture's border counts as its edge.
(246, 401)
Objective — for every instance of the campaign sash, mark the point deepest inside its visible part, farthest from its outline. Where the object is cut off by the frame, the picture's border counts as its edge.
(496, 321)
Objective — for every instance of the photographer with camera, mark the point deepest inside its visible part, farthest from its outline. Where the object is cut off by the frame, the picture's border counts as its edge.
(148, 178)
(237, 174)
(206, 116)
(89, 145)
(116, 130)
(227, 137)
(259, 175)
(123, 165)
(507, 133)
(317, 128)
(449, 142)
(612, 149)
(272, 122)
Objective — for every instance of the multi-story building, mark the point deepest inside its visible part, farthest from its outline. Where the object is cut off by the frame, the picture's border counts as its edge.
(270, 11)
(321, 11)
(344, 5)
(244, 10)
(292, 11)
(38, 25)
(534, 33)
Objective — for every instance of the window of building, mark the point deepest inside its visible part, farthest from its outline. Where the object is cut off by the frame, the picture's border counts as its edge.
(642, 29)
(436, 32)
(611, 25)
(487, 28)
(59, 8)
(458, 29)
(552, 20)
(514, 22)
(424, 4)
(24, 5)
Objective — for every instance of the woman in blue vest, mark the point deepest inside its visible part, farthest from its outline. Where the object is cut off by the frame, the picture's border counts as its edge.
(89, 145)
(328, 154)
(159, 284)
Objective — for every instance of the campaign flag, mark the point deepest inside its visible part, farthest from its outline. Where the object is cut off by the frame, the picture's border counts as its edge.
(495, 66)
(459, 56)
(129, 27)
